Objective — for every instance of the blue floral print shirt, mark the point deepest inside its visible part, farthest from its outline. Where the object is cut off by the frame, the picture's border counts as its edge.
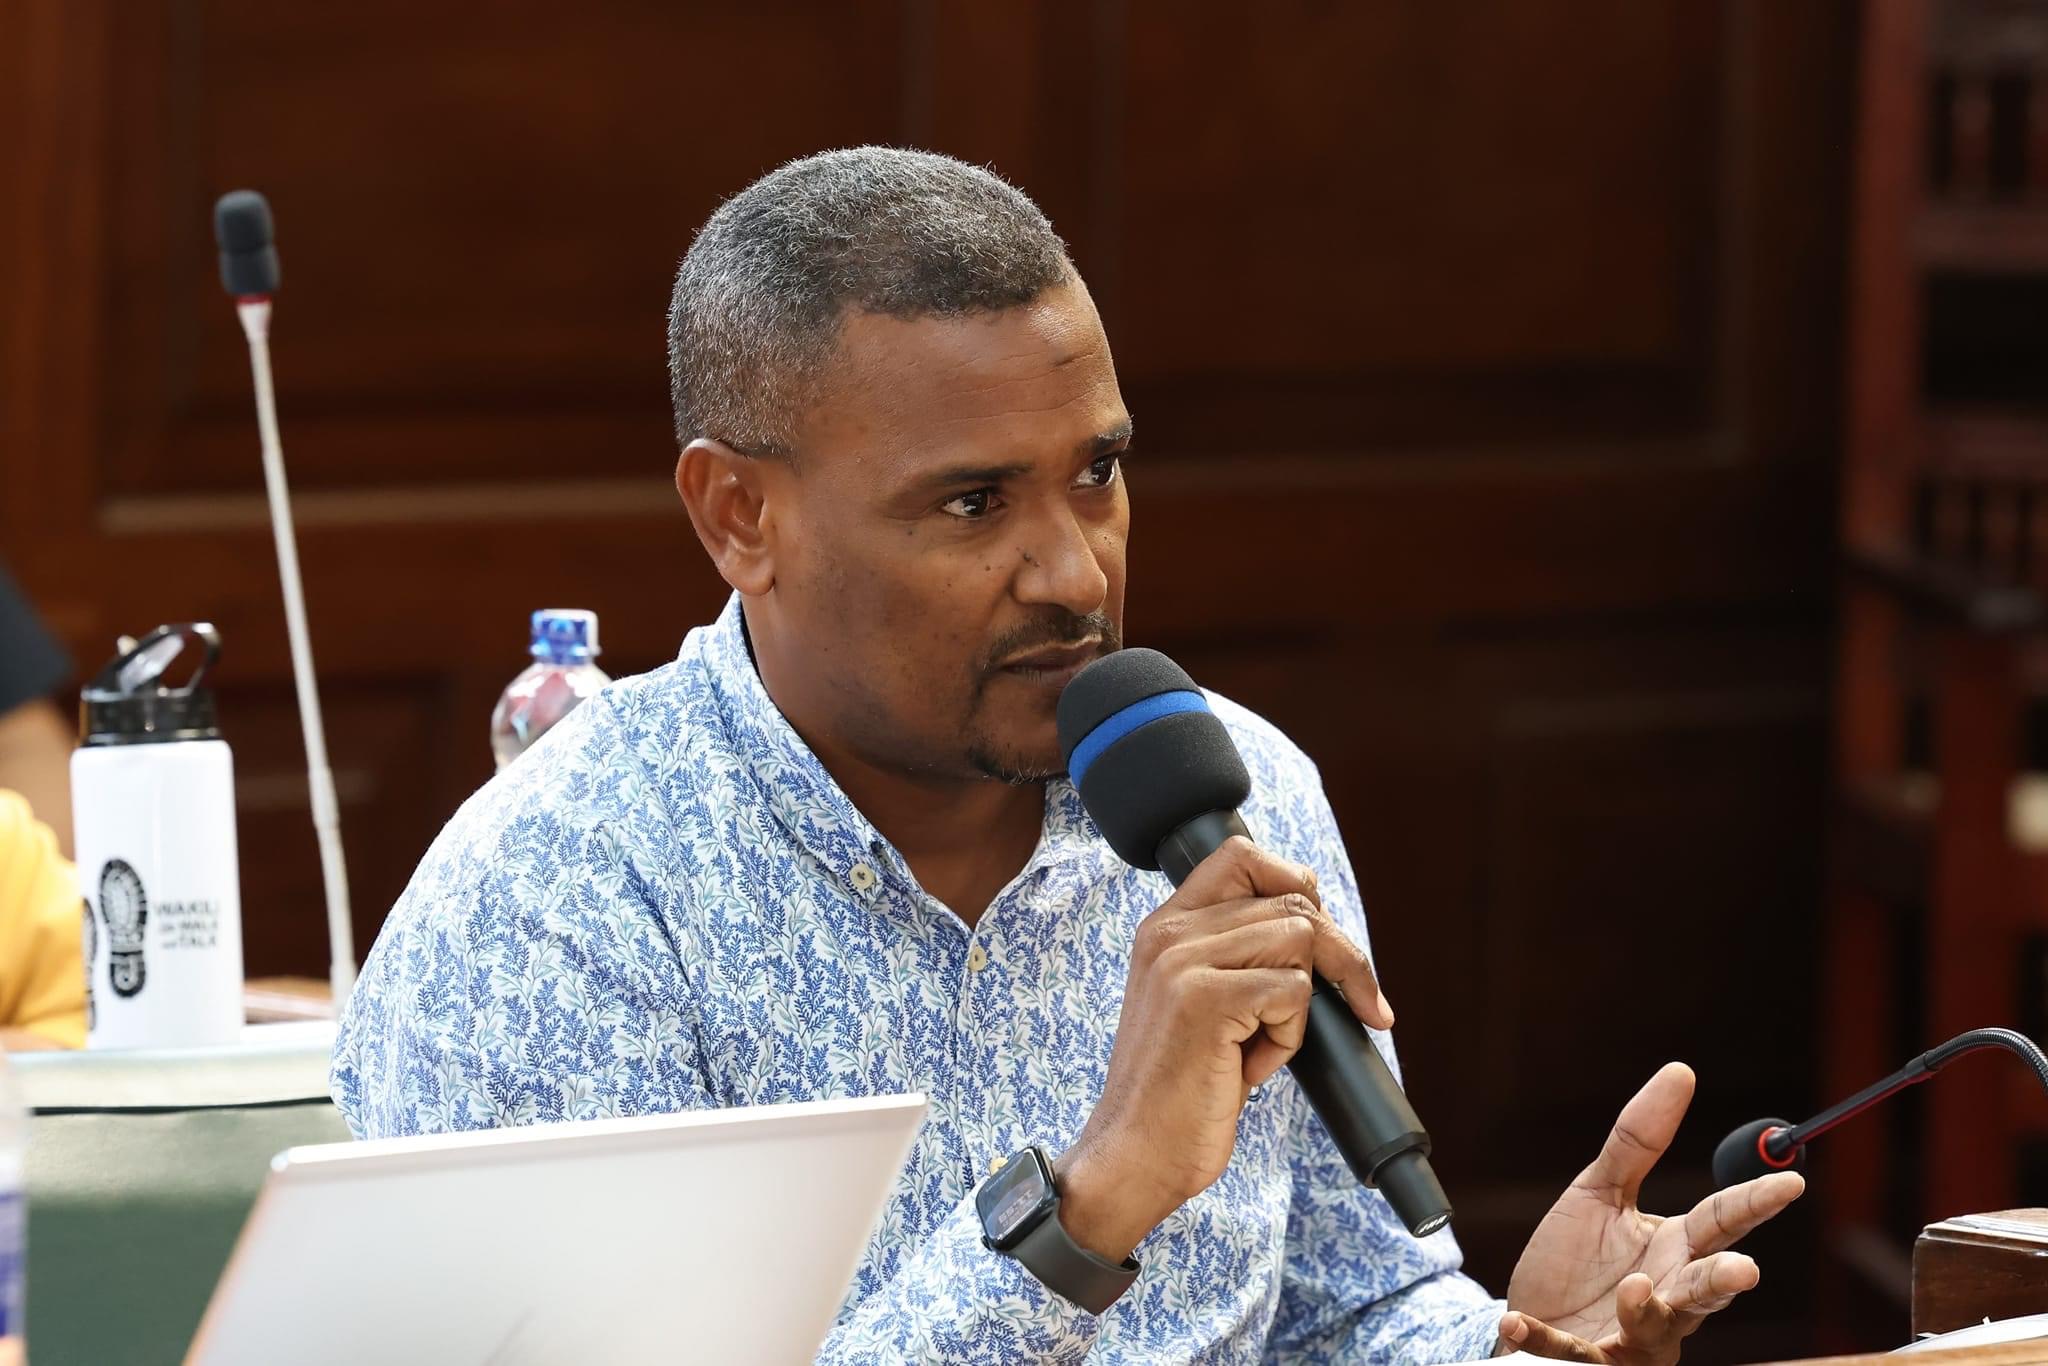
(668, 904)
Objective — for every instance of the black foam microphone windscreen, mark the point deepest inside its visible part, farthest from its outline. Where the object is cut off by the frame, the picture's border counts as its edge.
(248, 250)
(1146, 752)
(1741, 1156)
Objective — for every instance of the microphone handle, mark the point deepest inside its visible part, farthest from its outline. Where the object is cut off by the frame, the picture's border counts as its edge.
(1338, 1068)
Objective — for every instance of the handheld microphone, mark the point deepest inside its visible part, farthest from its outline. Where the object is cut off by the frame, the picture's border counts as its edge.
(249, 271)
(1768, 1145)
(1162, 779)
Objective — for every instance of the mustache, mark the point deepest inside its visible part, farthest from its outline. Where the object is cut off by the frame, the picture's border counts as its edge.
(1060, 627)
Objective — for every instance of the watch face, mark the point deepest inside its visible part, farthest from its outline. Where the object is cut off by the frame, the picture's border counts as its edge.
(1013, 1200)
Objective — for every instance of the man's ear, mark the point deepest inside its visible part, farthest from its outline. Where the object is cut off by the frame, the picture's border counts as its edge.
(726, 493)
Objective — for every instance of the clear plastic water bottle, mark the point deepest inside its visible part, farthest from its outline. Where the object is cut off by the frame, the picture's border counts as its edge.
(13, 1217)
(561, 675)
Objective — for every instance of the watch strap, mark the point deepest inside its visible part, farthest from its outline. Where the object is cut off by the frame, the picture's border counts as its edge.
(1066, 1268)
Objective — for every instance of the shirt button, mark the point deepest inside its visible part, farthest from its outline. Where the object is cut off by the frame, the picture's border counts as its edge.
(862, 877)
(977, 958)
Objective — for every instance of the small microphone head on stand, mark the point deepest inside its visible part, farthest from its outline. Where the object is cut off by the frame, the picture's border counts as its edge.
(248, 248)
(1744, 1154)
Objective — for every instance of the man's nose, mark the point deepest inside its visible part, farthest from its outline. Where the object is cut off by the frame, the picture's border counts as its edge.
(1060, 567)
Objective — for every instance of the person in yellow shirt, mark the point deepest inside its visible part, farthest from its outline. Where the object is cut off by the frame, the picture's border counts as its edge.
(42, 968)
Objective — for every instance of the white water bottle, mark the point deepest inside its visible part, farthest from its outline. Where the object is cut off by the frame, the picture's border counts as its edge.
(153, 814)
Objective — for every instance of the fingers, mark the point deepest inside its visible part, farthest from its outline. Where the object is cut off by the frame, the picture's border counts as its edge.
(1524, 1334)
(1265, 1009)
(1240, 872)
(1344, 964)
(1711, 1284)
(1728, 1215)
(1649, 1326)
(1241, 869)
(1241, 883)
(1277, 933)
(1642, 1133)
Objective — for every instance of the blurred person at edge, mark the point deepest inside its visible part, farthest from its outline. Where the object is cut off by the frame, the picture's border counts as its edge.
(42, 976)
(35, 738)
(831, 851)
(42, 970)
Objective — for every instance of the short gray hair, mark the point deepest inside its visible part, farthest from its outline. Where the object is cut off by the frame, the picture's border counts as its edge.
(761, 293)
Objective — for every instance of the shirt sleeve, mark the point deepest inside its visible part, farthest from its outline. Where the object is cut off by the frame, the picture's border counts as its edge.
(1357, 1287)
(42, 963)
(515, 982)
(32, 664)
(952, 1299)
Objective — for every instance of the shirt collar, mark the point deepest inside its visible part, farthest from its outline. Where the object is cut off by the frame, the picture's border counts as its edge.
(809, 804)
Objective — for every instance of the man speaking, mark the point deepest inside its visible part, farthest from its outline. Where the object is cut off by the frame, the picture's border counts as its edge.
(830, 851)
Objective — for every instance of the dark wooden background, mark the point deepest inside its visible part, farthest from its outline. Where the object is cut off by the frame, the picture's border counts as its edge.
(1486, 358)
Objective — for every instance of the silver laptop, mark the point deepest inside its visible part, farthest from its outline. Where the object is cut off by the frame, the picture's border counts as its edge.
(716, 1236)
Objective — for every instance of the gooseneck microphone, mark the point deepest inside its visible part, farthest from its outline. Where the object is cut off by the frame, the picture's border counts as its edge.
(1768, 1145)
(249, 272)
(1162, 779)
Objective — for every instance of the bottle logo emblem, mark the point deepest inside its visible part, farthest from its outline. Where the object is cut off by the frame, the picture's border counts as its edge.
(126, 910)
(92, 944)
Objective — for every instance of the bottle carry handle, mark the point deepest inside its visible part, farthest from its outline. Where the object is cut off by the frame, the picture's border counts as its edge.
(143, 663)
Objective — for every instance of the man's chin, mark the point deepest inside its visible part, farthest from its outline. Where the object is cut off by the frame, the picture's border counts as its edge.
(1018, 763)
(1016, 769)
(1018, 742)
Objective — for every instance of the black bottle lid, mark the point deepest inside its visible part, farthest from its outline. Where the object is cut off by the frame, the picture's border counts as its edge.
(127, 702)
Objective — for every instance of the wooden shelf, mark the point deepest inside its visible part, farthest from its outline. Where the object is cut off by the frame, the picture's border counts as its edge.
(1997, 445)
(1884, 832)
(1986, 238)
(1951, 592)
(1881, 837)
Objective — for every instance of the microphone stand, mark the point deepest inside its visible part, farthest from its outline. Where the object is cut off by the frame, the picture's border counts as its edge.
(341, 971)
(1780, 1146)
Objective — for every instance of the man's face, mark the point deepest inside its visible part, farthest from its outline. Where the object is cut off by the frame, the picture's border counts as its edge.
(949, 546)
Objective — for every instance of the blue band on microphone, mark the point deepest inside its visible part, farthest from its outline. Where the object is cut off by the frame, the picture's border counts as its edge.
(1119, 724)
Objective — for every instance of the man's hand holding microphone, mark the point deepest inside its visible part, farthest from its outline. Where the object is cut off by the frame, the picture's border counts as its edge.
(1216, 1002)
(1222, 992)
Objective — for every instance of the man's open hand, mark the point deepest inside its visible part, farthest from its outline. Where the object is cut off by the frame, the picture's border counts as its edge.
(1602, 1281)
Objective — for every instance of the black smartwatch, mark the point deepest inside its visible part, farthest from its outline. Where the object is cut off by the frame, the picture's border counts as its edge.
(1020, 1217)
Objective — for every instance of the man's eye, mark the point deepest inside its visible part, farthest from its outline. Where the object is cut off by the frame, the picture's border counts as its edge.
(970, 506)
(1100, 474)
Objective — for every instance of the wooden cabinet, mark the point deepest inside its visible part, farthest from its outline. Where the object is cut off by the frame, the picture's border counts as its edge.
(1939, 884)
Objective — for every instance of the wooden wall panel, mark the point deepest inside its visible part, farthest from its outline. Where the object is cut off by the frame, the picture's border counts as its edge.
(1476, 149)
(1458, 154)
(1484, 359)
(479, 222)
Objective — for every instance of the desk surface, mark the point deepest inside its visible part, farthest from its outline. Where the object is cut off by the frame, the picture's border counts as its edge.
(267, 1000)
(2033, 1353)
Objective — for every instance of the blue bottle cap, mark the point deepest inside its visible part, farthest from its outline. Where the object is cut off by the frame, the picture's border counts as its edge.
(564, 635)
